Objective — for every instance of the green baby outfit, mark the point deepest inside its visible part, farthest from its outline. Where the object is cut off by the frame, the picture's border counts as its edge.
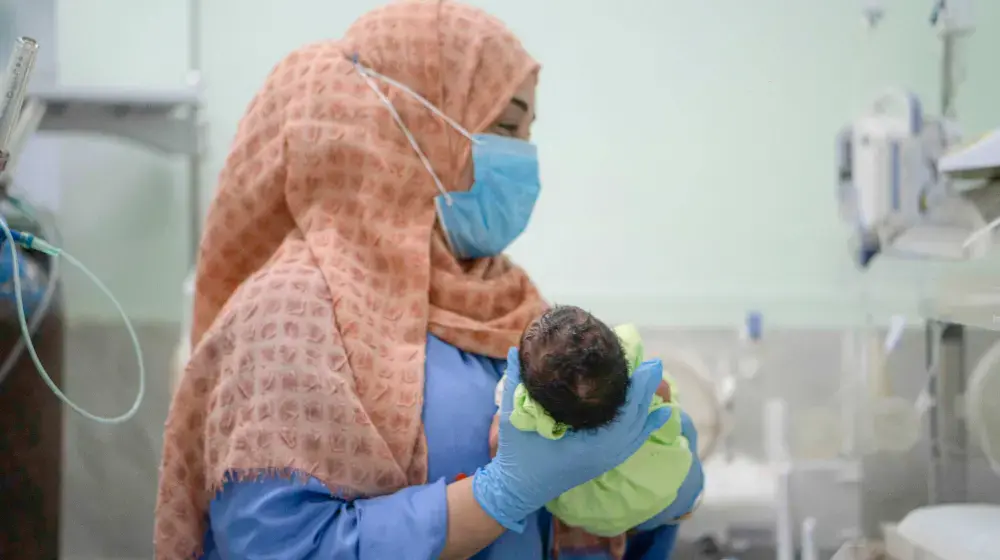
(633, 492)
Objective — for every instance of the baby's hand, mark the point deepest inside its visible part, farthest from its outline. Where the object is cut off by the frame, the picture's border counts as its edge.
(663, 391)
(494, 435)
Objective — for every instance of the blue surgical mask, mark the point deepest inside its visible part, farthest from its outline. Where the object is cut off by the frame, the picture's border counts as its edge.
(484, 221)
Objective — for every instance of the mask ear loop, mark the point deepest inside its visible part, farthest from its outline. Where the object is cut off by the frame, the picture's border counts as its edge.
(367, 74)
(420, 99)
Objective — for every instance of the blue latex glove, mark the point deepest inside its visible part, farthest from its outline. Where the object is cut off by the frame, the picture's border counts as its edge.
(530, 470)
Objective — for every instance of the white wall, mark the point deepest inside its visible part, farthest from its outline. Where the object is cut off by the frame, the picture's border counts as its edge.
(687, 147)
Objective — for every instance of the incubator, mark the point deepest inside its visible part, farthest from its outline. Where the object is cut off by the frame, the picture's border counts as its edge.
(804, 497)
(959, 531)
(736, 511)
(912, 189)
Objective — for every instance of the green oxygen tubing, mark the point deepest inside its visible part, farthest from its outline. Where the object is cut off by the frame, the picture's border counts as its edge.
(13, 90)
(50, 232)
(30, 242)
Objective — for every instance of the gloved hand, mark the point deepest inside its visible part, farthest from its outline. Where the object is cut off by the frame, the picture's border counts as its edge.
(529, 470)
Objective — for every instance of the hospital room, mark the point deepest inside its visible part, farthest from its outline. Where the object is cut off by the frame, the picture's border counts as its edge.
(500, 280)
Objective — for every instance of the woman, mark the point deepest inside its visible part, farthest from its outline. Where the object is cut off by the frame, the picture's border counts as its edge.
(352, 313)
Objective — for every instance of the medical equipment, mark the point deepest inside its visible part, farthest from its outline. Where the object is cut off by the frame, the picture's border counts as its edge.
(748, 356)
(48, 296)
(697, 394)
(798, 524)
(961, 409)
(873, 422)
(739, 369)
(486, 219)
(14, 92)
(972, 298)
(902, 186)
(12, 135)
(890, 190)
(982, 405)
(13, 88)
(950, 529)
(955, 531)
(163, 120)
(899, 185)
(981, 159)
(821, 482)
(737, 510)
(883, 421)
(960, 531)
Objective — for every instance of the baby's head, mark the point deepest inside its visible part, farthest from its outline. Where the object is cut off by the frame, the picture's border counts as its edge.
(574, 367)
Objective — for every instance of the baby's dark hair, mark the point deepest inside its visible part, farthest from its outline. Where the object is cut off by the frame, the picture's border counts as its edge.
(573, 365)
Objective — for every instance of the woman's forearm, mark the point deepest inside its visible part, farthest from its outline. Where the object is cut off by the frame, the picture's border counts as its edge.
(297, 520)
(301, 520)
(470, 529)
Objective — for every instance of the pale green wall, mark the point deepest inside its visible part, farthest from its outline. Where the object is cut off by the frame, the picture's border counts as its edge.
(123, 210)
(687, 147)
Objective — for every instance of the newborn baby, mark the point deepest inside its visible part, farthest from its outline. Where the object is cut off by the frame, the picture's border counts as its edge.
(575, 373)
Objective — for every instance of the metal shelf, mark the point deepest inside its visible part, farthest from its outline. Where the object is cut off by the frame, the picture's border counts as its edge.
(165, 121)
(161, 120)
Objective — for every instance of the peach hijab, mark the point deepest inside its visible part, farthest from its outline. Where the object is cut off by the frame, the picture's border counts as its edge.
(321, 270)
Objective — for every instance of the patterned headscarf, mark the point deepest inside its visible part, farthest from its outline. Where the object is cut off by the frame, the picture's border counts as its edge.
(321, 270)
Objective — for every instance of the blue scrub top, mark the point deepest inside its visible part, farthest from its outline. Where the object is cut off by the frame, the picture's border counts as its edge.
(276, 518)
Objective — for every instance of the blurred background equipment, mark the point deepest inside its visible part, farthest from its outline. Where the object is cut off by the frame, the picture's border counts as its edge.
(33, 477)
(30, 419)
(892, 189)
(913, 192)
